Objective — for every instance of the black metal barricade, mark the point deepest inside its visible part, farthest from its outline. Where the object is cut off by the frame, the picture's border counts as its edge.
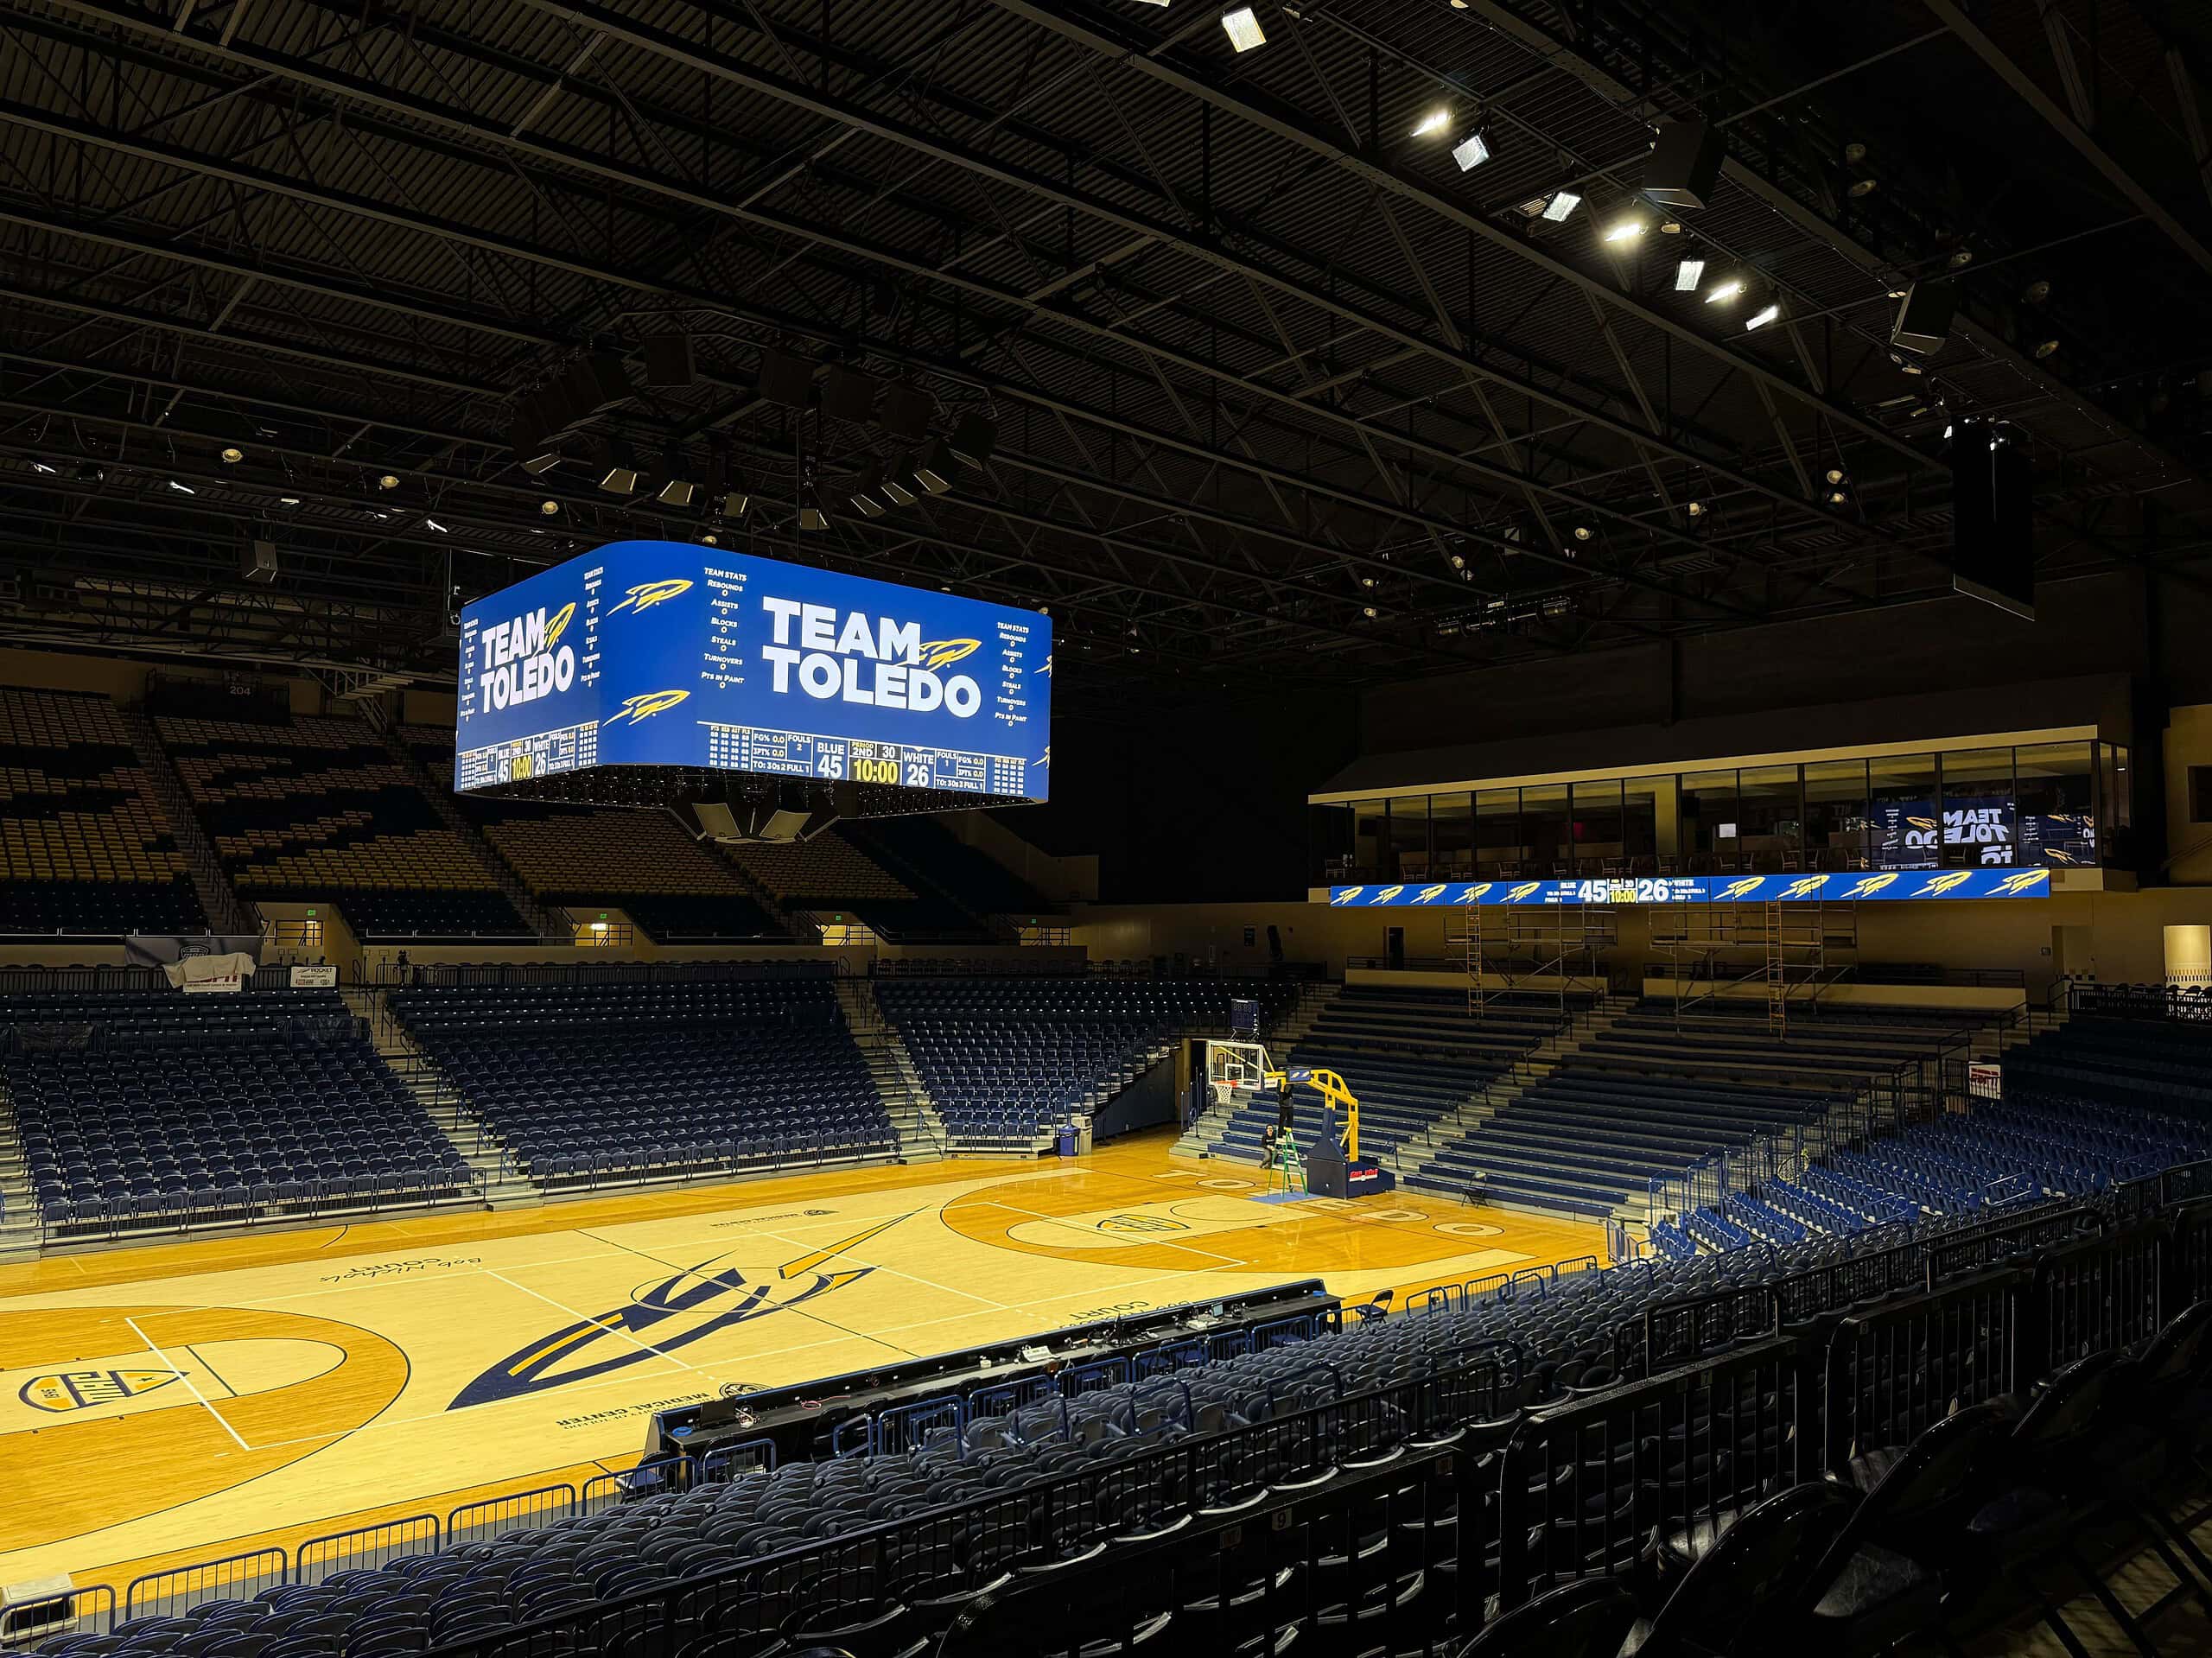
(1587, 1486)
(1894, 1370)
(2097, 1293)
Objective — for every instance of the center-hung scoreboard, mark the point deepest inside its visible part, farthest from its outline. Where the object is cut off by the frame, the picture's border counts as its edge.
(647, 668)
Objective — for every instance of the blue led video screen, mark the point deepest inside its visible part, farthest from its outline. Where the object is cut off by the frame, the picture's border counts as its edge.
(1854, 886)
(664, 653)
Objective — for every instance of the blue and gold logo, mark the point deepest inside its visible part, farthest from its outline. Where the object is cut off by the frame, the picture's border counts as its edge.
(647, 594)
(943, 653)
(663, 1318)
(644, 706)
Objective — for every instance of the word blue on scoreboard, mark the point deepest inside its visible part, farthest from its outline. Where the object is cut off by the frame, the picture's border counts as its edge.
(664, 653)
(1713, 889)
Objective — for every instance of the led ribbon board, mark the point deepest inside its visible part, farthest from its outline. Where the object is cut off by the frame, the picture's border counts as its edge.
(663, 653)
(1857, 886)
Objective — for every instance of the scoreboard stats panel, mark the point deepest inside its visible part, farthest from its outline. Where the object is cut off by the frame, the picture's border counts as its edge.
(666, 654)
(1853, 886)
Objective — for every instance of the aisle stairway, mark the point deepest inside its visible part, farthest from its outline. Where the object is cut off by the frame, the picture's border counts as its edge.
(921, 1133)
(226, 913)
(504, 1186)
(20, 1230)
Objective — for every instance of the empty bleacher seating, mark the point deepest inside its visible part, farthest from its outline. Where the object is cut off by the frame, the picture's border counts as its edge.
(619, 1082)
(155, 1109)
(643, 863)
(1645, 1096)
(85, 847)
(829, 876)
(1005, 1059)
(319, 809)
(924, 850)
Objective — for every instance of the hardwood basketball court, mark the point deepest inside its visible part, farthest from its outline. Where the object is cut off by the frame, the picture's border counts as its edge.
(178, 1402)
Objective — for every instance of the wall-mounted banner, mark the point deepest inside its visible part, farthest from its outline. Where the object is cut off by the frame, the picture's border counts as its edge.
(664, 653)
(1851, 887)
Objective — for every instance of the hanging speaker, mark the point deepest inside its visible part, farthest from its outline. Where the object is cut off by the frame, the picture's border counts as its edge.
(905, 411)
(847, 394)
(668, 360)
(1993, 549)
(1685, 165)
(786, 378)
(1924, 317)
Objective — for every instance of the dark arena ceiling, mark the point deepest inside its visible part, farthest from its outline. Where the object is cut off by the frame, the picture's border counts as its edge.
(1276, 385)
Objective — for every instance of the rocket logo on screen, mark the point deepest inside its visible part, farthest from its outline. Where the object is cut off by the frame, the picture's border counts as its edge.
(875, 660)
(645, 705)
(525, 659)
(647, 594)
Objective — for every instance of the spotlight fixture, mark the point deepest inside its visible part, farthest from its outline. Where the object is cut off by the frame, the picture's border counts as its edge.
(1583, 532)
(711, 539)
(1367, 581)
(230, 454)
(1459, 562)
(934, 466)
(1962, 258)
(1854, 154)
(1626, 230)
(1242, 25)
(1861, 188)
(1689, 275)
(2046, 347)
(1837, 498)
(388, 481)
(1368, 611)
(1562, 204)
(616, 467)
(2035, 292)
(550, 508)
(1670, 228)
(1695, 509)
(1836, 474)
(865, 491)
(182, 489)
(1472, 151)
(1760, 319)
(1722, 292)
(1435, 121)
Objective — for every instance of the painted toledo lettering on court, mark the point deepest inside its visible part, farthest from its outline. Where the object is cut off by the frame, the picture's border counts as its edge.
(73, 1390)
(665, 1318)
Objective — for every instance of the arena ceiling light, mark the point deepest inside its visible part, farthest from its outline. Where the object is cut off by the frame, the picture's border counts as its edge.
(182, 489)
(1561, 205)
(388, 481)
(1760, 319)
(1472, 151)
(230, 454)
(1722, 292)
(617, 467)
(1242, 25)
(551, 509)
(432, 524)
(1434, 122)
(46, 467)
(1626, 230)
(1687, 275)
